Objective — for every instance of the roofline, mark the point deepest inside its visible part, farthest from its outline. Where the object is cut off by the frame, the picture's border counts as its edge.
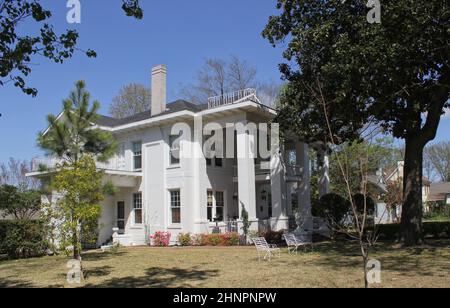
(171, 116)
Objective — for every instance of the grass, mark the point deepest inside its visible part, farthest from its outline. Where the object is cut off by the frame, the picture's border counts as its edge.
(330, 265)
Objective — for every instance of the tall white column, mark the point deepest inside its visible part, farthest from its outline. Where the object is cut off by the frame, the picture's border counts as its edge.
(246, 177)
(304, 221)
(199, 178)
(278, 187)
(324, 177)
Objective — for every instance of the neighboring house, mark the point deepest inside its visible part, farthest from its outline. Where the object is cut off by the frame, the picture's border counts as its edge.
(159, 192)
(382, 179)
(439, 192)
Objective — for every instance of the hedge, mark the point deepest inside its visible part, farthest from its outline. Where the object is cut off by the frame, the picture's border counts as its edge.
(23, 238)
(434, 229)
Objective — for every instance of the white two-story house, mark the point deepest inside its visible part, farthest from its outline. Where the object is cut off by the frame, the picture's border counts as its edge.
(166, 182)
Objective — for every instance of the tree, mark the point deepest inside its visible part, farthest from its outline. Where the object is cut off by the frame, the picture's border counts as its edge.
(438, 155)
(79, 208)
(22, 205)
(395, 74)
(71, 138)
(18, 49)
(382, 155)
(14, 173)
(132, 99)
(394, 198)
(217, 77)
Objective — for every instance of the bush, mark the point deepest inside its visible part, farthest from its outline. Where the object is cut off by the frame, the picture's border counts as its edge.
(23, 238)
(435, 229)
(217, 239)
(161, 239)
(185, 239)
(273, 237)
(333, 208)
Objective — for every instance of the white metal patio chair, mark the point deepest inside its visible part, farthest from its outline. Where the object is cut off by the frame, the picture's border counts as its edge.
(264, 249)
(294, 241)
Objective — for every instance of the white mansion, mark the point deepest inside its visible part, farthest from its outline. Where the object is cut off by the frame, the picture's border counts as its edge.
(160, 189)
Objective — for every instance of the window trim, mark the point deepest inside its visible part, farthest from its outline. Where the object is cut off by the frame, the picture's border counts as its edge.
(171, 207)
(135, 208)
(137, 155)
(172, 164)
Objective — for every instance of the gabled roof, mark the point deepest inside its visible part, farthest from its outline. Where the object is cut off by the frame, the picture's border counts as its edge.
(176, 106)
(438, 191)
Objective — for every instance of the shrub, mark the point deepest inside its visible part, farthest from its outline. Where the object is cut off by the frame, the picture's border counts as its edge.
(273, 237)
(161, 239)
(333, 208)
(185, 239)
(217, 239)
(23, 238)
(436, 229)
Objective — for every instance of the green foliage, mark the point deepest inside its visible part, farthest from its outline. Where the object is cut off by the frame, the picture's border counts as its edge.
(18, 49)
(19, 204)
(435, 229)
(185, 239)
(334, 208)
(78, 209)
(245, 222)
(74, 137)
(23, 238)
(361, 158)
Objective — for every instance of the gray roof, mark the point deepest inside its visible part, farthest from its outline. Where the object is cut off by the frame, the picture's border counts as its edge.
(439, 191)
(179, 105)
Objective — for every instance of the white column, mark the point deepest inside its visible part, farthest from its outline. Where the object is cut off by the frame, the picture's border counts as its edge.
(324, 177)
(246, 177)
(199, 179)
(278, 187)
(304, 221)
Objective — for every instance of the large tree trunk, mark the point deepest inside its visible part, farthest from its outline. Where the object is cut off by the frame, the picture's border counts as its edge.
(411, 220)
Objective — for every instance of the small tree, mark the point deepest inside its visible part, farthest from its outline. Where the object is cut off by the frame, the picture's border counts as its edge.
(22, 205)
(245, 223)
(81, 187)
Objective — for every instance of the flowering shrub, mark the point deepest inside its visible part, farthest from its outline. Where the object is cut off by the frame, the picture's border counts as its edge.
(161, 239)
(221, 239)
(185, 239)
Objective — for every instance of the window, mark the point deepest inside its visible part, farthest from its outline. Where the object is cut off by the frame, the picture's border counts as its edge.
(269, 205)
(121, 163)
(219, 205)
(174, 150)
(215, 205)
(137, 155)
(209, 205)
(219, 162)
(175, 206)
(137, 208)
(121, 215)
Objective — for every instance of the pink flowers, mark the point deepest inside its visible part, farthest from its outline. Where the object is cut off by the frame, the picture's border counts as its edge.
(160, 239)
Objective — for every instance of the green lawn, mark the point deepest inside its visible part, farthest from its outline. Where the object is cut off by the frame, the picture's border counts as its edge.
(331, 265)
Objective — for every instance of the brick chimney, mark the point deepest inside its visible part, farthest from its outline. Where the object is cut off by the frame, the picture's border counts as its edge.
(159, 75)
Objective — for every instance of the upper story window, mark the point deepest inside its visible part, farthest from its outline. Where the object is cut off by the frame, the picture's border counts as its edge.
(174, 151)
(137, 155)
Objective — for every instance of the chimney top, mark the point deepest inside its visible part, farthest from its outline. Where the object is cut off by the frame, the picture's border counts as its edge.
(159, 76)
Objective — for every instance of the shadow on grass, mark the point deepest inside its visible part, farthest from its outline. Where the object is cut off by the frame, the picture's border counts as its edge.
(406, 261)
(159, 278)
(98, 256)
(10, 282)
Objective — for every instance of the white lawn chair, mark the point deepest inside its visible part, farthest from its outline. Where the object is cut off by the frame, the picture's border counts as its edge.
(265, 249)
(295, 241)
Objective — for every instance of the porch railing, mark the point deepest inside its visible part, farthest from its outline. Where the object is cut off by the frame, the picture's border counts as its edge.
(231, 98)
(48, 163)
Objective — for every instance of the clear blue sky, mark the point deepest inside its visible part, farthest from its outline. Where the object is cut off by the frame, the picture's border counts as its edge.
(178, 33)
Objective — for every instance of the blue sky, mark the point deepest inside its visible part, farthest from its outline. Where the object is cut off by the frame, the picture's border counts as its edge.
(178, 33)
